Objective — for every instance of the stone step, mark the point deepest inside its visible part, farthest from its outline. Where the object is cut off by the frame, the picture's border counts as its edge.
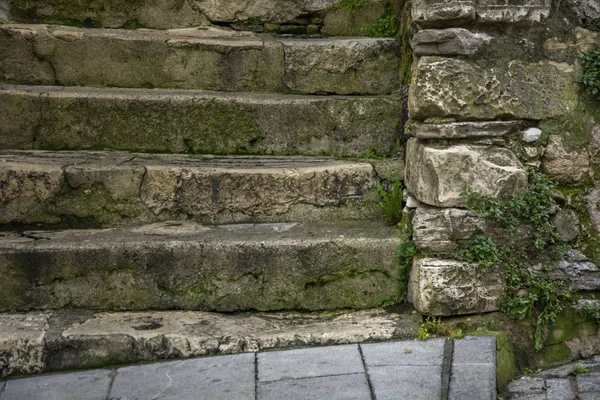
(61, 340)
(176, 121)
(330, 17)
(211, 59)
(186, 265)
(103, 189)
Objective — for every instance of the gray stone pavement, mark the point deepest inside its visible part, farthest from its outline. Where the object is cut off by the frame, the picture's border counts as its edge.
(413, 370)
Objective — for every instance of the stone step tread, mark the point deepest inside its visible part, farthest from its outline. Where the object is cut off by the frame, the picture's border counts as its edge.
(186, 265)
(196, 59)
(120, 188)
(62, 340)
(196, 121)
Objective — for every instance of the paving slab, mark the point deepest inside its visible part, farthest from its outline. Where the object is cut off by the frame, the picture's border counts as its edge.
(406, 382)
(306, 363)
(335, 387)
(559, 389)
(473, 370)
(414, 353)
(88, 385)
(215, 378)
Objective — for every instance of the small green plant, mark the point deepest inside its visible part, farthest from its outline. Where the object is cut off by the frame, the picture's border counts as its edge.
(593, 311)
(482, 250)
(406, 252)
(579, 369)
(429, 328)
(350, 6)
(385, 27)
(391, 203)
(590, 63)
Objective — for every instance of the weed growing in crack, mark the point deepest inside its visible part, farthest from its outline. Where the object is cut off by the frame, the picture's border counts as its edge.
(391, 203)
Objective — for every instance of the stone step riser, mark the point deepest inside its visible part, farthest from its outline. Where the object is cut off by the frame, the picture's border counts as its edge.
(196, 59)
(195, 267)
(111, 189)
(171, 121)
(286, 16)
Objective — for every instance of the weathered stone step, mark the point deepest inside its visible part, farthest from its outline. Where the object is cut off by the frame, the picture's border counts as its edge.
(118, 188)
(58, 340)
(328, 17)
(190, 266)
(196, 59)
(175, 121)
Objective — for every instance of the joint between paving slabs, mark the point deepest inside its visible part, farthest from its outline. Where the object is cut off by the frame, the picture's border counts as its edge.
(255, 376)
(113, 375)
(362, 358)
(447, 367)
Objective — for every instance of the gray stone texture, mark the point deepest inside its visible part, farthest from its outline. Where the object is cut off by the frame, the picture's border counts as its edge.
(437, 173)
(463, 130)
(117, 188)
(448, 287)
(473, 369)
(452, 41)
(415, 353)
(309, 363)
(218, 378)
(22, 343)
(196, 59)
(559, 389)
(4, 7)
(178, 121)
(567, 224)
(588, 12)
(577, 271)
(438, 13)
(190, 266)
(339, 387)
(451, 88)
(593, 208)
(89, 385)
(443, 230)
(75, 340)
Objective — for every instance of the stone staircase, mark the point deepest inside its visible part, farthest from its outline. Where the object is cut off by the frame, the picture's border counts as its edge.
(199, 163)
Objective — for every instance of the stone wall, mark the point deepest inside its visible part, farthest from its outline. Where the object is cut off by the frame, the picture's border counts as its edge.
(493, 91)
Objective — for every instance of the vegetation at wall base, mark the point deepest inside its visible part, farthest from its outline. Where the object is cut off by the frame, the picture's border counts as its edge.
(351, 6)
(385, 27)
(528, 295)
(391, 203)
(590, 77)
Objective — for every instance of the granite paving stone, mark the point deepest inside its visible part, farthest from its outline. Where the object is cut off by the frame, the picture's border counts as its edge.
(337, 387)
(88, 385)
(472, 382)
(415, 352)
(589, 396)
(589, 382)
(305, 363)
(475, 350)
(393, 382)
(215, 378)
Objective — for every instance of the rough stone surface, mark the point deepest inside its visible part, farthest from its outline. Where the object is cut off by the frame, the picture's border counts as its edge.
(76, 340)
(210, 59)
(576, 270)
(531, 135)
(113, 188)
(91, 385)
(513, 11)
(444, 87)
(4, 6)
(443, 12)
(176, 121)
(593, 207)
(437, 173)
(462, 130)
(562, 165)
(343, 65)
(22, 343)
(451, 41)
(567, 224)
(473, 369)
(448, 287)
(588, 12)
(340, 22)
(336, 387)
(190, 266)
(443, 230)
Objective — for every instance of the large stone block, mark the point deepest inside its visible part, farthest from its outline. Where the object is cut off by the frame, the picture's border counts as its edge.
(190, 266)
(450, 88)
(437, 173)
(569, 166)
(448, 287)
(117, 188)
(211, 59)
(177, 121)
(22, 343)
(443, 12)
(451, 41)
(443, 230)
(463, 130)
(513, 11)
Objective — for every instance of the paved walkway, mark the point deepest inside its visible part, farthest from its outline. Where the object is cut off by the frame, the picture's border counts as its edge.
(434, 369)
